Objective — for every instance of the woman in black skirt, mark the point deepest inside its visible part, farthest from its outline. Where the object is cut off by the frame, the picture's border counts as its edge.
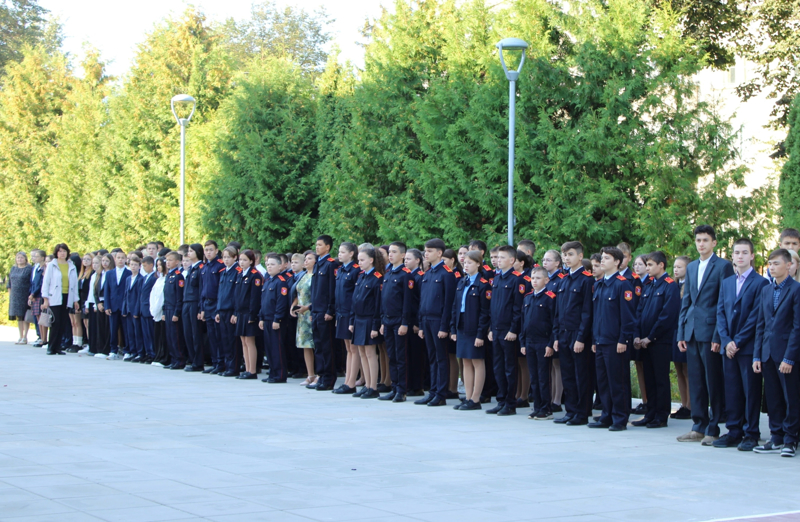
(365, 317)
(469, 326)
(247, 305)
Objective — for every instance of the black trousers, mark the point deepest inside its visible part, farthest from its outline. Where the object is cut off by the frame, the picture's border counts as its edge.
(438, 358)
(783, 400)
(417, 361)
(742, 396)
(613, 377)
(706, 385)
(576, 375)
(397, 349)
(505, 368)
(98, 331)
(655, 361)
(539, 369)
(191, 333)
(60, 326)
(160, 342)
(322, 332)
(174, 338)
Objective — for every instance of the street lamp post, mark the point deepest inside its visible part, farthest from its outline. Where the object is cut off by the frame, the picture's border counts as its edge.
(511, 44)
(187, 103)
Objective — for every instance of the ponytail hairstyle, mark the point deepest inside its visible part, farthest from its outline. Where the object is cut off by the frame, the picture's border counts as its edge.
(378, 261)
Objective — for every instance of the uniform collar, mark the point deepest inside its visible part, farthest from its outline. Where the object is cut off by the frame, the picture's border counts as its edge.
(398, 267)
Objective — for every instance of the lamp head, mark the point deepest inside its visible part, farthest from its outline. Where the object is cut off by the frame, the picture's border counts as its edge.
(512, 44)
(183, 103)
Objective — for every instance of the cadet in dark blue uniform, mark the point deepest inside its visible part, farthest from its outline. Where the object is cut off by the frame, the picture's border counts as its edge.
(538, 310)
(612, 331)
(148, 325)
(396, 319)
(131, 311)
(656, 324)
(572, 328)
(274, 310)
(209, 289)
(737, 315)
(524, 265)
(469, 328)
(173, 307)
(551, 261)
(323, 313)
(365, 317)
(247, 305)
(508, 292)
(230, 351)
(488, 273)
(191, 310)
(437, 292)
(417, 354)
(346, 276)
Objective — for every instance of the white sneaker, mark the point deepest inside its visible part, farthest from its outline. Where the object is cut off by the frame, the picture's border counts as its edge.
(113, 357)
(85, 349)
(100, 355)
(46, 346)
(127, 356)
(156, 363)
(461, 388)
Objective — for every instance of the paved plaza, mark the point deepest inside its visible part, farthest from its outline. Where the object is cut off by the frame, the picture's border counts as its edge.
(87, 439)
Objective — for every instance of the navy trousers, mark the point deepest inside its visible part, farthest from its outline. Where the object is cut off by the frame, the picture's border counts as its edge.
(397, 349)
(417, 361)
(274, 350)
(148, 336)
(174, 338)
(742, 396)
(438, 358)
(613, 376)
(706, 385)
(116, 325)
(191, 334)
(505, 368)
(322, 331)
(227, 332)
(576, 376)
(539, 369)
(655, 360)
(783, 401)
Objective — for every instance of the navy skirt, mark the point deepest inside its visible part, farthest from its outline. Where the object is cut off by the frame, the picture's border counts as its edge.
(244, 328)
(677, 355)
(343, 326)
(465, 346)
(637, 355)
(362, 328)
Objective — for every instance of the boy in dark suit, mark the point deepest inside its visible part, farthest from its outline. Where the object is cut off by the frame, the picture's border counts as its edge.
(148, 324)
(699, 338)
(776, 349)
(132, 314)
(113, 299)
(737, 313)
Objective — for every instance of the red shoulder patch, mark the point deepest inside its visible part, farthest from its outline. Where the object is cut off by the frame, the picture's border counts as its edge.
(420, 272)
(527, 278)
(486, 267)
(587, 273)
(253, 271)
(516, 273)
(529, 293)
(378, 275)
(550, 294)
(355, 265)
(458, 275)
(238, 269)
(406, 270)
(562, 275)
(201, 265)
(669, 280)
(281, 278)
(331, 260)
(448, 268)
(219, 261)
(484, 280)
(621, 278)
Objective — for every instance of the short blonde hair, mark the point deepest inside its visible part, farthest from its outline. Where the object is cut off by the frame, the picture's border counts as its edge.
(795, 259)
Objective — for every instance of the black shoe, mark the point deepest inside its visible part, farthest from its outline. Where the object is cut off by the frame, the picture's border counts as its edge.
(497, 409)
(438, 402)
(425, 400)
(459, 405)
(657, 424)
(682, 413)
(72, 349)
(312, 386)
(577, 422)
(641, 422)
(596, 418)
(748, 444)
(195, 369)
(522, 403)
(217, 370)
(556, 408)
(230, 373)
(563, 420)
(178, 367)
(507, 410)
(789, 449)
(360, 392)
(382, 388)
(389, 396)
(136, 359)
(598, 424)
(399, 397)
(485, 400)
(275, 381)
(597, 405)
(344, 390)
(211, 369)
(726, 441)
(370, 394)
(248, 376)
(324, 388)
(451, 395)
(416, 393)
(471, 405)
(146, 360)
(641, 409)
(617, 427)
(55, 353)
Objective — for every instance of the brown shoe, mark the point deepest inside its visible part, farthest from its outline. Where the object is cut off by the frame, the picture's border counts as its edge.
(708, 440)
(692, 436)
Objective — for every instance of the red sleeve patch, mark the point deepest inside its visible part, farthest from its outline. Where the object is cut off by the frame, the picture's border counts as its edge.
(638, 290)
(180, 283)
(521, 289)
(550, 294)
(258, 281)
(628, 295)
(489, 294)
(411, 283)
(284, 290)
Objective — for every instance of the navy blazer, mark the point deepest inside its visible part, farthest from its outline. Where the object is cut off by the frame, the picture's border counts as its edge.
(737, 315)
(114, 293)
(777, 329)
(131, 305)
(698, 315)
(36, 283)
(144, 293)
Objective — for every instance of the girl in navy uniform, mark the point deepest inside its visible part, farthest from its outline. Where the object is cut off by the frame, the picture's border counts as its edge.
(365, 316)
(346, 277)
(640, 279)
(247, 305)
(417, 354)
(523, 265)
(469, 326)
(450, 259)
(231, 355)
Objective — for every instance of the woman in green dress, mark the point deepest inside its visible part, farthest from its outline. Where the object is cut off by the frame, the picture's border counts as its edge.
(301, 309)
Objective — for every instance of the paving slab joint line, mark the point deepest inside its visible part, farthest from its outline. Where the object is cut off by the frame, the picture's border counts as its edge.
(756, 517)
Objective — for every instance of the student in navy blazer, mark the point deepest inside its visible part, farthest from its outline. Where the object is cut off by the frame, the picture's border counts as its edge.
(131, 311)
(113, 298)
(777, 347)
(149, 279)
(737, 313)
(699, 339)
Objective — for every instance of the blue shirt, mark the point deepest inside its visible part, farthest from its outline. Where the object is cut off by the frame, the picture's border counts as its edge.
(464, 295)
(776, 292)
